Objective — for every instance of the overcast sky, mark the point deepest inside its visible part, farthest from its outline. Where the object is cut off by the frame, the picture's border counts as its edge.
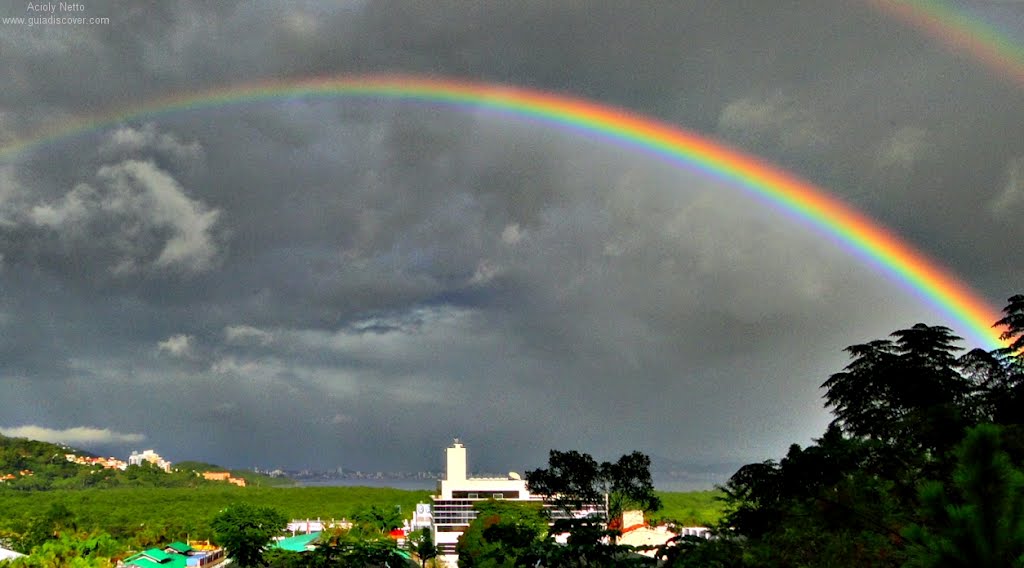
(325, 283)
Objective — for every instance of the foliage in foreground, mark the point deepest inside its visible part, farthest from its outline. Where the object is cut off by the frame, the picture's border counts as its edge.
(506, 534)
(244, 530)
(142, 517)
(922, 465)
(981, 521)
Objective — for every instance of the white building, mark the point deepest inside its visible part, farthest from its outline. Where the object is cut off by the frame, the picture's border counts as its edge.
(453, 505)
(422, 518)
(636, 532)
(150, 456)
(307, 526)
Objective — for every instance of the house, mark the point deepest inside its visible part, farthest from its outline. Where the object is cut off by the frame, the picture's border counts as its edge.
(175, 555)
(636, 532)
(216, 475)
(105, 463)
(223, 476)
(299, 542)
(156, 557)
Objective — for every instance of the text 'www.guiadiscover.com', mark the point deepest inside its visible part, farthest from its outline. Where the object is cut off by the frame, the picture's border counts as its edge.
(54, 14)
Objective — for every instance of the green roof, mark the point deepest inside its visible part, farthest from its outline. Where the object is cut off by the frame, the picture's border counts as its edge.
(155, 554)
(153, 557)
(298, 542)
(179, 547)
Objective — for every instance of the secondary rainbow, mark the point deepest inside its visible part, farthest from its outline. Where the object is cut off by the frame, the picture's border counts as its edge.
(961, 31)
(932, 283)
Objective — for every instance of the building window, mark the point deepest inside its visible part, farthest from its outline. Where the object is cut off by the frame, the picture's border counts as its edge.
(510, 494)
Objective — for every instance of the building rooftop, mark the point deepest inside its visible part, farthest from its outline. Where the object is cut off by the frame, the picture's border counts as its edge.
(179, 547)
(297, 543)
(157, 557)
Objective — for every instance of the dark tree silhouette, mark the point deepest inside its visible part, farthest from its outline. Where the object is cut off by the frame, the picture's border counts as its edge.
(905, 392)
(573, 480)
(901, 410)
(1013, 322)
(978, 519)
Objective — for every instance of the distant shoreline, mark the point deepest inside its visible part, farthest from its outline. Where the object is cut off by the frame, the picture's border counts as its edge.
(406, 484)
(672, 486)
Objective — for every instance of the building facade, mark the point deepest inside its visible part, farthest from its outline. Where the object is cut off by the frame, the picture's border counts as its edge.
(149, 456)
(456, 493)
(453, 506)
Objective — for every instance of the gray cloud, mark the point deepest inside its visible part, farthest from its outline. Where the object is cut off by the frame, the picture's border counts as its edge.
(1011, 196)
(82, 435)
(179, 345)
(138, 215)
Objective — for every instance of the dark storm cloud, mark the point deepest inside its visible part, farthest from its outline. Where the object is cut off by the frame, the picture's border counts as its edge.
(389, 276)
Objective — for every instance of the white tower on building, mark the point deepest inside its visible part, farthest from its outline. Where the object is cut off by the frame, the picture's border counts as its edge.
(453, 505)
(455, 462)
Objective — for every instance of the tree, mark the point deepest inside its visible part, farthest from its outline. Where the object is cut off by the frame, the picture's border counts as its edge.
(280, 558)
(503, 534)
(903, 391)
(980, 522)
(377, 519)
(574, 480)
(854, 497)
(50, 526)
(94, 550)
(571, 480)
(354, 549)
(422, 545)
(1013, 328)
(698, 552)
(245, 530)
(628, 484)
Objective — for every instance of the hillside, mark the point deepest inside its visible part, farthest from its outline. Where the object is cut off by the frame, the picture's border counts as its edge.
(33, 465)
(252, 479)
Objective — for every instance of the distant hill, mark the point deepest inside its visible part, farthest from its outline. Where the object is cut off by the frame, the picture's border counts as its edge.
(251, 478)
(33, 465)
(20, 458)
(688, 476)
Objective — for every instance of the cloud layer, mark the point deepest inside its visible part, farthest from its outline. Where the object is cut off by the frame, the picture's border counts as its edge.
(324, 282)
(78, 435)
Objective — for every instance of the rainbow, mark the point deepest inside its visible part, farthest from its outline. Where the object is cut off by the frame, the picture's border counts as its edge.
(960, 31)
(866, 238)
